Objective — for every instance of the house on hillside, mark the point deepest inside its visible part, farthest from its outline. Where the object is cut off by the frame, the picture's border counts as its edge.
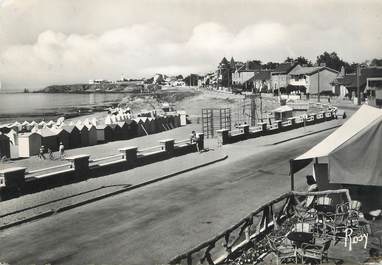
(244, 74)
(262, 81)
(280, 76)
(374, 91)
(341, 83)
(311, 80)
(369, 83)
(224, 74)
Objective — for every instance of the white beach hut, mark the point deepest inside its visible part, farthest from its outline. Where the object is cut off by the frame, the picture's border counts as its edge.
(25, 126)
(94, 121)
(15, 126)
(41, 124)
(14, 143)
(113, 119)
(108, 120)
(50, 124)
(29, 144)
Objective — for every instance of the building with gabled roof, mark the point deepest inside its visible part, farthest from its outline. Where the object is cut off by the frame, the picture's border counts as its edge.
(280, 75)
(346, 84)
(311, 80)
(262, 81)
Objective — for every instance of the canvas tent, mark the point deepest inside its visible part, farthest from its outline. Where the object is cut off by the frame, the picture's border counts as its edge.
(62, 136)
(92, 134)
(5, 150)
(4, 129)
(101, 133)
(48, 139)
(140, 128)
(84, 134)
(354, 151)
(133, 128)
(123, 130)
(74, 138)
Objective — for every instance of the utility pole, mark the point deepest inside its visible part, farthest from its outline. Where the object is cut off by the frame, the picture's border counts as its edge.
(358, 88)
(279, 92)
(318, 84)
(217, 79)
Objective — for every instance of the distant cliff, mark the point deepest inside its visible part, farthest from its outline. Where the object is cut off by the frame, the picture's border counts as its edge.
(87, 88)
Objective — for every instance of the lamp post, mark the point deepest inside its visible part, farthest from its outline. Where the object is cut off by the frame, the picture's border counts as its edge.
(358, 88)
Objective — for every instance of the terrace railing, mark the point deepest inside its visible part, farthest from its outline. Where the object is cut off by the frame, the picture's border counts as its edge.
(250, 231)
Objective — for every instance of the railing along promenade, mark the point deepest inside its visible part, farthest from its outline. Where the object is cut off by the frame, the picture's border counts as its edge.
(243, 132)
(17, 181)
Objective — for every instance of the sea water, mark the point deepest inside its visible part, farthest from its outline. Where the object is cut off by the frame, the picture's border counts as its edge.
(13, 103)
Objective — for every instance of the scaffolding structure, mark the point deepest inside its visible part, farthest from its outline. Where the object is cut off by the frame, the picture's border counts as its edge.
(215, 119)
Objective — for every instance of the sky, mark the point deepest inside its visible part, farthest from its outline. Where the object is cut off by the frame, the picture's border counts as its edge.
(44, 42)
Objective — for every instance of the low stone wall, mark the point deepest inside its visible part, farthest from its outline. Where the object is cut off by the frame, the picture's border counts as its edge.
(18, 181)
(246, 132)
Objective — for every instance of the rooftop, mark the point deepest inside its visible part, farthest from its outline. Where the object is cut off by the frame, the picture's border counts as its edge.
(284, 68)
(305, 70)
(350, 80)
(263, 75)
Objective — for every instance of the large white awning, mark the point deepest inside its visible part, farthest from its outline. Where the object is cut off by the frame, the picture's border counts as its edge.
(363, 118)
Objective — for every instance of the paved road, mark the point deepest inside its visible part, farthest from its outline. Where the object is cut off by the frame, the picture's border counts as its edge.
(153, 224)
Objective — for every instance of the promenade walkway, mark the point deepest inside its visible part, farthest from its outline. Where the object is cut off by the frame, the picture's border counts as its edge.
(58, 198)
(107, 149)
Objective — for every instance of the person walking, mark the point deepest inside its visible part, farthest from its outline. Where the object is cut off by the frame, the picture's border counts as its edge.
(41, 153)
(50, 152)
(62, 150)
(195, 140)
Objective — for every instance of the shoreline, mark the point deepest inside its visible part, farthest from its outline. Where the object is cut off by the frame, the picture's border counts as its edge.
(53, 114)
(72, 112)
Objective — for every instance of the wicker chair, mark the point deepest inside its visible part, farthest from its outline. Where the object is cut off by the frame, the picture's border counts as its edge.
(315, 252)
(336, 224)
(284, 251)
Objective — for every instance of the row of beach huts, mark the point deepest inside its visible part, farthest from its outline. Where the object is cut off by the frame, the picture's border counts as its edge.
(25, 139)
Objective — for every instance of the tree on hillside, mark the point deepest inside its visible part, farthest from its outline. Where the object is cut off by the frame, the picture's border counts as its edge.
(191, 80)
(300, 60)
(332, 60)
(303, 61)
(254, 64)
(376, 62)
(232, 64)
(270, 65)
